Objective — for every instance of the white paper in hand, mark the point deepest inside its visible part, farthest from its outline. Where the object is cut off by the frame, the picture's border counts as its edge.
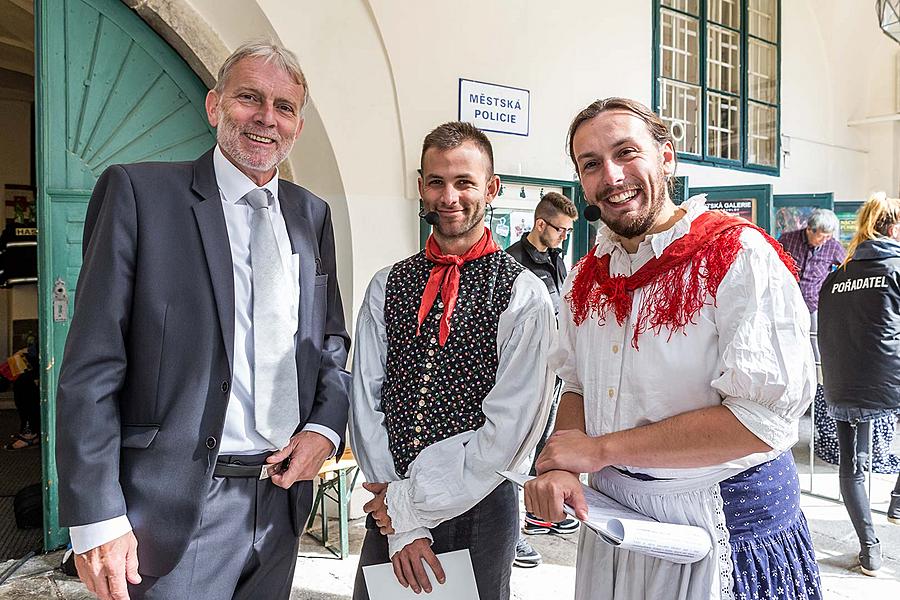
(460, 584)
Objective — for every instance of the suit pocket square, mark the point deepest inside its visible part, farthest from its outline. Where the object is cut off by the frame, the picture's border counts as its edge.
(138, 436)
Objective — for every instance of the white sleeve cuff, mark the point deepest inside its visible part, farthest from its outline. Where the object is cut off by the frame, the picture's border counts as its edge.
(88, 537)
(328, 432)
(397, 541)
(777, 431)
(400, 506)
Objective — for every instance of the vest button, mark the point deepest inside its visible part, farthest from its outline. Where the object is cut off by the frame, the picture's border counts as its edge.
(421, 403)
(416, 442)
(423, 390)
(224, 387)
(210, 442)
(420, 416)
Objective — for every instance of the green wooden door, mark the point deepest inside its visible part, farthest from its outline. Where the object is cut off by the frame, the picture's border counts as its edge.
(109, 90)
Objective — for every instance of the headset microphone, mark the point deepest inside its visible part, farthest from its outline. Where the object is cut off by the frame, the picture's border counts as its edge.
(431, 217)
(591, 212)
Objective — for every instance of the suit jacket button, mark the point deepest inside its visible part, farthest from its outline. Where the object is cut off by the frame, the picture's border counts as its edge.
(210, 442)
(224, 387)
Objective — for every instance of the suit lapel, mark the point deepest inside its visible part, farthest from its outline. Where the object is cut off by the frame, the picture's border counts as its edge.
(303, 238)
(214, 233)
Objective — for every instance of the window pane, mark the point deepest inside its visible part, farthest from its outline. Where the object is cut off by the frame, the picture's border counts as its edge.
(679, 47)
(688, 6)
(762, 147)
(762, 71)
(680, 109)
(724, 12)
(723, 60)
(762, 18)
(723, 130)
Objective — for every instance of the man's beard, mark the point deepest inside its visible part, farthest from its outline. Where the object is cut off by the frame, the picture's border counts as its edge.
(631, 227)
(464, 228)
(228, 136)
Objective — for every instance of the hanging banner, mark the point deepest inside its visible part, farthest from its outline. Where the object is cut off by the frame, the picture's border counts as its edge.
(492, 107)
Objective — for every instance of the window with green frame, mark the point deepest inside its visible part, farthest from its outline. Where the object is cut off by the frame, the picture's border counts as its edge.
(717, 80)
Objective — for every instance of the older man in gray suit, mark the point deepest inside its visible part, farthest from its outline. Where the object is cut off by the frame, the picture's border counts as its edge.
(203, 383)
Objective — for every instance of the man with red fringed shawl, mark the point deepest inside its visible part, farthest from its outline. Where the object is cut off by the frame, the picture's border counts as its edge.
(683, 348)
(450, 381)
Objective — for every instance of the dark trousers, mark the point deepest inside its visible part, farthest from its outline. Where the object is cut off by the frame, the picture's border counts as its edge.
(853, 441)
(244, 547)
(489, 530)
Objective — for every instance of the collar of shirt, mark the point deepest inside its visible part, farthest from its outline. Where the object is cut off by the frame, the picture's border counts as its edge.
(609, 242)
(233, 184)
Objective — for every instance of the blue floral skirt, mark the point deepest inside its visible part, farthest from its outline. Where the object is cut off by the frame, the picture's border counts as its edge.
(771, 548)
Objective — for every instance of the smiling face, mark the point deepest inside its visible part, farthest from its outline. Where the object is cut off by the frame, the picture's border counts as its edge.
(457, 184)
(623, 171)
(257, 117)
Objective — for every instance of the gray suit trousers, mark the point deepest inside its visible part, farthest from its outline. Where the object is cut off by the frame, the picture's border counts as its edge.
(244, 548)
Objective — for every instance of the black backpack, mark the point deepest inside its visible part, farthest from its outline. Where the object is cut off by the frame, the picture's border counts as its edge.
(28, 506)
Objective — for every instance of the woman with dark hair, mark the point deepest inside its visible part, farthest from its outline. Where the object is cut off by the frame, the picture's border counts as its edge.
(859, 338)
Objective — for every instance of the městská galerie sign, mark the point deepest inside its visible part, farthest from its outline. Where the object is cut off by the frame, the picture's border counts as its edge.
(492, 107)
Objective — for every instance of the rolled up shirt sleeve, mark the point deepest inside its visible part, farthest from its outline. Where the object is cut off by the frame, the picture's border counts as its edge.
(767, 374)
(453, 475)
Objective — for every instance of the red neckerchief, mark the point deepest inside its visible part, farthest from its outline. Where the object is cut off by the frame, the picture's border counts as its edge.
(669, 300)
(445, 277)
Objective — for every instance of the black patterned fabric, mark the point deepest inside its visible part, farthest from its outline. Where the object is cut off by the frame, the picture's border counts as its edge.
(431, 393)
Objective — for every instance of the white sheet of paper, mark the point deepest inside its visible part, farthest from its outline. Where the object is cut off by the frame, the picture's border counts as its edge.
(460, 584)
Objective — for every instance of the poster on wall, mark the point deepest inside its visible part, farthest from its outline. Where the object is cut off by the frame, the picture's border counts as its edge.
(790, 218)
(19, 203)
(846, 213)
(739, 207)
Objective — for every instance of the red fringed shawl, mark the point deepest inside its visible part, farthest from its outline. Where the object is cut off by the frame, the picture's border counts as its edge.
(670, 299)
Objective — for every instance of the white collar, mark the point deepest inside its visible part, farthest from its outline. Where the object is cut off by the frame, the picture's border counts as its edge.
(608, 241)
(233, 184)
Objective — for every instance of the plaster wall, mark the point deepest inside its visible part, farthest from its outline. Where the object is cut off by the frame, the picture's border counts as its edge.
(383, 73)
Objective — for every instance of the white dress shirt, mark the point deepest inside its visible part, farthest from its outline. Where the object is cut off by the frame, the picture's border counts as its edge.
(453, 475)
(749, 351)
(239, 435)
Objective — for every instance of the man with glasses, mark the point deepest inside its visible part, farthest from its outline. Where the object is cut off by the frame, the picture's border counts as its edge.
(540, 251)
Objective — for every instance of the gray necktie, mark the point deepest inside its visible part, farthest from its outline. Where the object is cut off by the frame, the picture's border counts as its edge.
(275, 397)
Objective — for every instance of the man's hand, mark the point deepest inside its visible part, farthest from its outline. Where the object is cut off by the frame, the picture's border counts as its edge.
(378, 508)
(305, 452)
(409, 569)
(105, 569)
(546, 494)
(570, 450)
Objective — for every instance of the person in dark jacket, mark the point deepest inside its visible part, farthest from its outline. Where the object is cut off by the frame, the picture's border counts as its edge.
(859, 338)
(540, 251)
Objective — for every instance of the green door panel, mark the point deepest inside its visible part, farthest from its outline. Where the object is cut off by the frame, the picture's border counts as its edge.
(109, 91)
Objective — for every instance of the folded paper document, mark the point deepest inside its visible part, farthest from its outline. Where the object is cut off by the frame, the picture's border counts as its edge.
(628, 529)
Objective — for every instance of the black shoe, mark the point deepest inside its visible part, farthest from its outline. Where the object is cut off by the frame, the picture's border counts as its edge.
(893, 512)
(526, 556)
(870, 559)
(536, 526)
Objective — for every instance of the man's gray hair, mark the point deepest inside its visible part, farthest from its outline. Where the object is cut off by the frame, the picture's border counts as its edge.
(823, 220)
(272, 53)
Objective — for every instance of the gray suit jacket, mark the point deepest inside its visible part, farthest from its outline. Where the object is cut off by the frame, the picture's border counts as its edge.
(146, 373)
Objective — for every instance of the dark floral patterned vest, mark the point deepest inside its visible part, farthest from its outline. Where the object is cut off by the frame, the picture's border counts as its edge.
(431, 393)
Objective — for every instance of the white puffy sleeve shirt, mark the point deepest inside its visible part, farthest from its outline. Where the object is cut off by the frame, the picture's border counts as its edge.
(453, 475)
(749, 351)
